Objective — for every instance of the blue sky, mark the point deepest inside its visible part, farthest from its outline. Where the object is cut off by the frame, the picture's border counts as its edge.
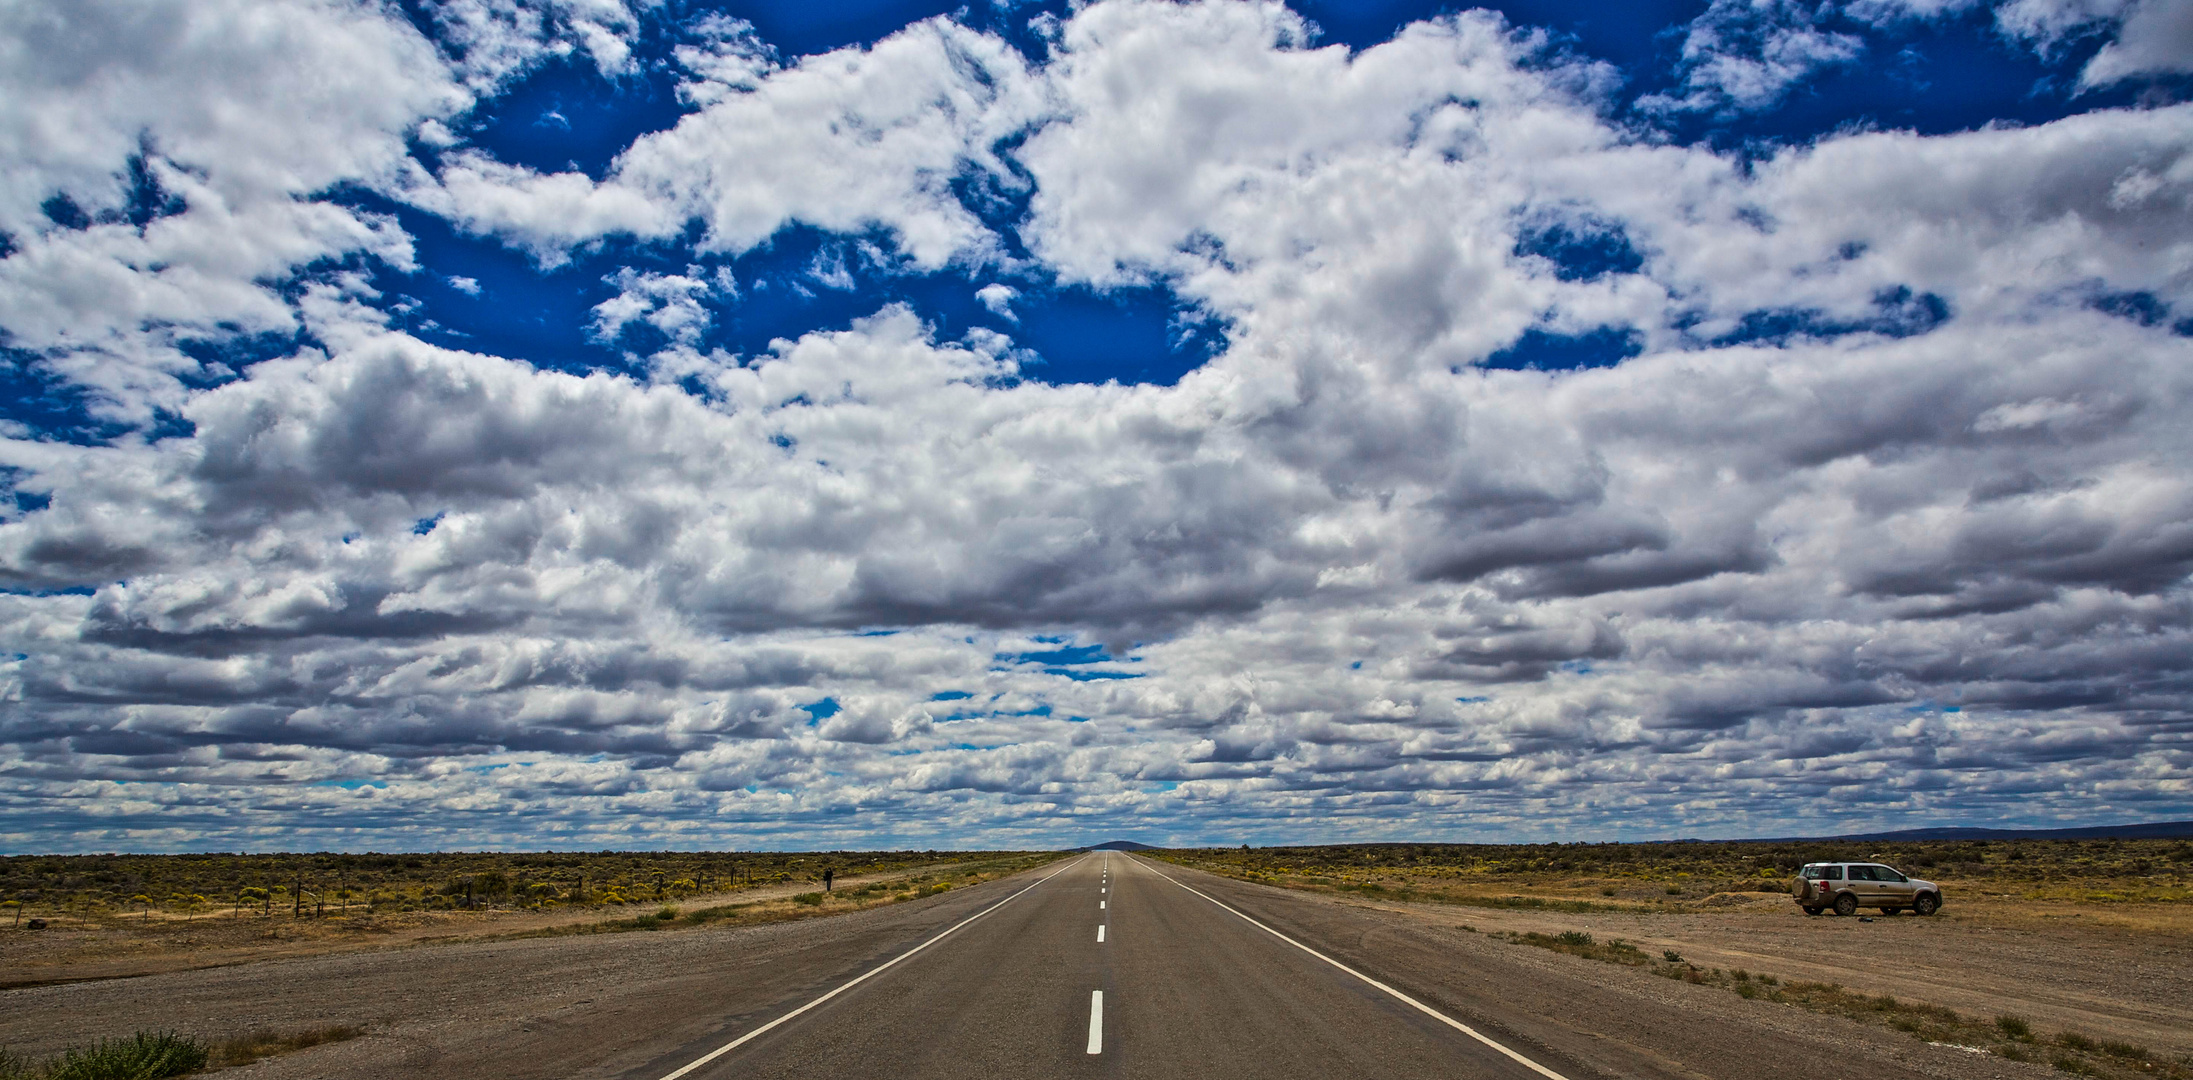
(600, 423)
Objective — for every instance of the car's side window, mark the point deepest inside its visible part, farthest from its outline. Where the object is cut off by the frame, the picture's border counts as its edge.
(1883, 873)
(1831, 873)
(1861, 873)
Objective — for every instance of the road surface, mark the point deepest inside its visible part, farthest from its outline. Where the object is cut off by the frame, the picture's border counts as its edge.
(1109, 967)
(1098, 965)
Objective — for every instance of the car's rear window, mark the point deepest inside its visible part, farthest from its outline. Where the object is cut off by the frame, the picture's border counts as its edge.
(1824, 873)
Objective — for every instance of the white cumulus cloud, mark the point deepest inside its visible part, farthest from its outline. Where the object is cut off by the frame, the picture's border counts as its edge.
(1887, 507)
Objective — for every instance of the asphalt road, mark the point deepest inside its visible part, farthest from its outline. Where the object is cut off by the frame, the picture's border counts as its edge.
(999, 980)
(1106, 968)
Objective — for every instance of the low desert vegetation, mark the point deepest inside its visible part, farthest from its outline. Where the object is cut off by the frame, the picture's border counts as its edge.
(2006, 1036)
(807, 904)
(246, 1049)
(151, 1055)
(180, 888)
(82, 917)
(1682, 875)
(147, 1055)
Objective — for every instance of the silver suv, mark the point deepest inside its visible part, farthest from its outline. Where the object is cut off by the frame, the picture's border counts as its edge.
(1843, 888)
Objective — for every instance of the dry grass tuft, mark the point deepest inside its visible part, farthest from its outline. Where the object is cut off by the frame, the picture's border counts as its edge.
(265, 1044)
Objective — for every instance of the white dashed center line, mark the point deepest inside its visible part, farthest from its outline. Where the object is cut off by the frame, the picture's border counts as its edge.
(1096, 1021)
(1100, 935)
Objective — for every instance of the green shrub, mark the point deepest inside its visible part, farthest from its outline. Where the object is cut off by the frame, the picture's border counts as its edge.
(1573, 937)
(813, 899)
(2072, 1065)
(14, 1068)
(147, 1055)
(151, 1055)
(2014, 1027)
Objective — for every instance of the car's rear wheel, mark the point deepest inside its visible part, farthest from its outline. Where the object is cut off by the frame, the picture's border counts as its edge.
(1926, 904)
(1846, 904)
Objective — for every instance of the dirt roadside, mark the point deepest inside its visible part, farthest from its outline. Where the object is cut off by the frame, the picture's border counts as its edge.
(78, 950)
(2096, 977)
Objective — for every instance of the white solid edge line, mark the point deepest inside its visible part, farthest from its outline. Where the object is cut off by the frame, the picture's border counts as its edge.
(872, 973)
(1398, 995)
(1096, 1021)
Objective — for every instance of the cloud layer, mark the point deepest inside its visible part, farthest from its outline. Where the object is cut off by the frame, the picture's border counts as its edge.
(1871, 508)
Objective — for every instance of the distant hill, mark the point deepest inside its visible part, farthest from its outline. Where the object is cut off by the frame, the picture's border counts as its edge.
(1118, 845)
